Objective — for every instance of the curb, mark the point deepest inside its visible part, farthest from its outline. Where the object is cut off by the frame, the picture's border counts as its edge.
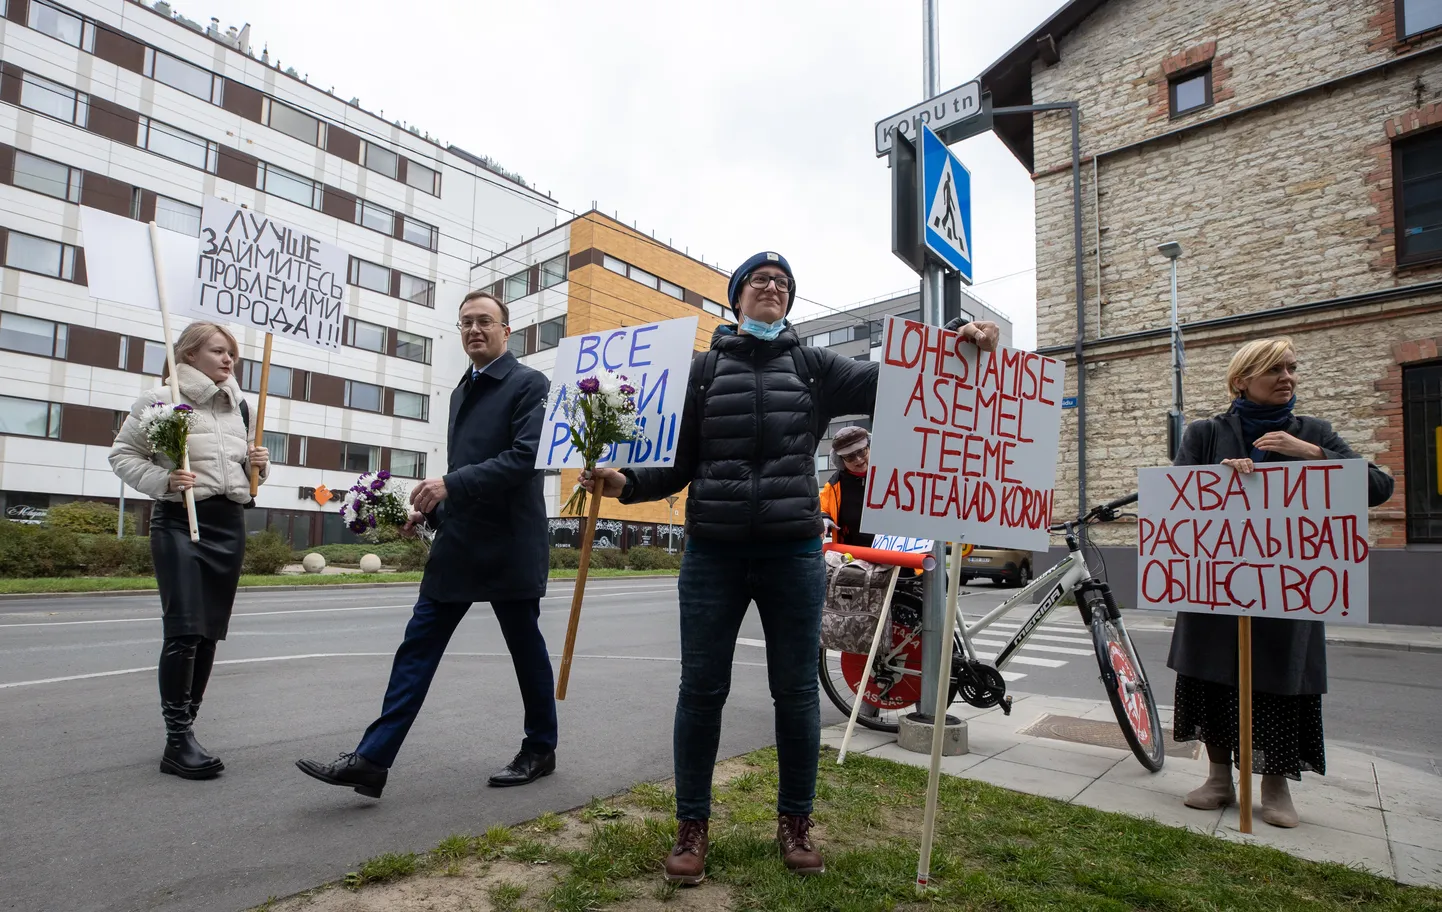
(1340, 639)
(99, 593)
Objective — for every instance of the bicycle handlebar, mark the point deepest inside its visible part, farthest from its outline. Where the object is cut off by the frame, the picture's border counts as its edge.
(1102, 512)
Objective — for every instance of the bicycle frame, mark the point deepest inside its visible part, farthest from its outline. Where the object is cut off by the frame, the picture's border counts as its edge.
(1067, 576)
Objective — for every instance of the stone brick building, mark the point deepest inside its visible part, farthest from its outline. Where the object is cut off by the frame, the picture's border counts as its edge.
(1290, 147)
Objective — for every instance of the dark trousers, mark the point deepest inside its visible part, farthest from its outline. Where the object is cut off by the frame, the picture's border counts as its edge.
(427, 634)
(715, 591)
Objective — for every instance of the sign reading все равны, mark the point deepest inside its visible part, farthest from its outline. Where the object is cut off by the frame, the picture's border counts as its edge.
(1288, 541)
(964, 445)
(259, 272)
(655, 359)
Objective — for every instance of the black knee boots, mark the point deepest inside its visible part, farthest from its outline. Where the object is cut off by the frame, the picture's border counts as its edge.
(185, 663)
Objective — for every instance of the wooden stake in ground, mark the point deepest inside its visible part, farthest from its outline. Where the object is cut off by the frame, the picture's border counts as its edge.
(260, 410)
(588, 536)
(1244, 723)
(170, 362)
(882, 623)
(938, 719)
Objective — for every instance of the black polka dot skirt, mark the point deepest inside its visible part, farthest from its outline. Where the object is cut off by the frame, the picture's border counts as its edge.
(1286, 729)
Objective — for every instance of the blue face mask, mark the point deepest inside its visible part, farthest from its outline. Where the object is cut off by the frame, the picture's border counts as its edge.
(765, 331)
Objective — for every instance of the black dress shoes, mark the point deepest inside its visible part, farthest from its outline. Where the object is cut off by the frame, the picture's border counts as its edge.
(527, 767)
(350, 771)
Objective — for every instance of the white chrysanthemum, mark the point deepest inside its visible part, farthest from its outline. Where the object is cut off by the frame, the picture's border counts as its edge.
(151, 413)
(610, 383)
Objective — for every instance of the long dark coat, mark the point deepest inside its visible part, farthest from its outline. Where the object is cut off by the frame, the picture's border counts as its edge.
(1288, 657)
(493, 542)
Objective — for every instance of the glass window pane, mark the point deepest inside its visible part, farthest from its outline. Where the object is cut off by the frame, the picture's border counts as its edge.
(286, 185)
(673, 290)
(365, 396)
(249, 376)
(27, 334)
(278, 444)
(292, 122)
(553, 271)
(1421, 15)
(642, 276)
(177, 216)
(62, 339)
(186, 77)
(42, 175)
(382, 160)
(1192, 93)
(410, 405)
(408, 464)
(376, 218)
(549, 333)
(413, 348)
(368, 336)
(516, 344)
(421, 177)
(517, 286)
(280, 380)
(34, 254)
(418, 233)
(712, 307)
(25, 417)
(154, 360)
(178, 145)
(56, 24)
(47, 97)
(613, 264)
(419, 291)
(376, 278)
(358, 458)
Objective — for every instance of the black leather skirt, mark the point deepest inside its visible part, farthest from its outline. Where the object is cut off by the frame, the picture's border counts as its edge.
(197, 580)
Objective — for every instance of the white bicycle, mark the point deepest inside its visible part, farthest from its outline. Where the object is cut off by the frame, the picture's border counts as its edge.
(894, 682)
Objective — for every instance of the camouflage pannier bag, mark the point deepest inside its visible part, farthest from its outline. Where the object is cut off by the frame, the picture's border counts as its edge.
(855, 599)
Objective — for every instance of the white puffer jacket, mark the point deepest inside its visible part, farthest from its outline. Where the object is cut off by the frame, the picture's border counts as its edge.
(218, 442)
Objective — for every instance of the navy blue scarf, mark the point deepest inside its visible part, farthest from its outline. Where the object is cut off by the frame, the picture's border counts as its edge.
(1261, 419)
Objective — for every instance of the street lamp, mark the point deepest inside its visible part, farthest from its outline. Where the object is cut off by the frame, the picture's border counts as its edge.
(1175, 422)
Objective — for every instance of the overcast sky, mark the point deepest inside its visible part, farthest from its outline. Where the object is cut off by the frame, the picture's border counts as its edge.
(725, 128)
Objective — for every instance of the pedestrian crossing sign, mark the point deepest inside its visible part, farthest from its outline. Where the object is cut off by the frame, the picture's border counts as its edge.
(945, 204)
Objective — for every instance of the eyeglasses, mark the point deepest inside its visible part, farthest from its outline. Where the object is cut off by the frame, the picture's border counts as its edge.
(483, 325)
(859, 456)
(759, 282)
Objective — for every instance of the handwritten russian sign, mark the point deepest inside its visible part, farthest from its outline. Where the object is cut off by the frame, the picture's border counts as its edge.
(655, 359)
(965, 441)
(1288, 541)
(259, 272)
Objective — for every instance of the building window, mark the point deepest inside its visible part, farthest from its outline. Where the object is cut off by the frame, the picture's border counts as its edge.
(363, 396)
(291, 186)
(823, 463)
(418, 291)
(54, 100)
(34, 254)
(613, 264)
(382, 160)
(62, 25)
(1417, 16)
(178, 145)
(517, 287)
(176, 73)
(412, 405)
(369, 275)
(642, 276)
(414, 231)
(278, 444)
(376, 218)
(1417, 184)
(294, 123)
(408, 464)
(45, 176)
(1190, 91)
(29, 417)
(177, 216)
(549, 333)
(674, 291)
(1422, 449)
(355, 457)
(153, 360)
(553, 271)
(412, 347)
(716, 310)
(369, 336)
(280, 378)
(516, 343)
(422, 178)
(32, 336)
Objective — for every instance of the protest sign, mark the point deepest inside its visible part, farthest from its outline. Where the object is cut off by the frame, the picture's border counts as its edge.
(656, 359)
(964, 445)
(1287, 541)
(118, 257)
(902, 543)
(259, 272)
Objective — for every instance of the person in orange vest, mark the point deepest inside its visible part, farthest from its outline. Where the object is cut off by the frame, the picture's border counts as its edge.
(844, 494)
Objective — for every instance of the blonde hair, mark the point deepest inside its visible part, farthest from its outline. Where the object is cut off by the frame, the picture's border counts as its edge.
(1256, 358)
(195, 336)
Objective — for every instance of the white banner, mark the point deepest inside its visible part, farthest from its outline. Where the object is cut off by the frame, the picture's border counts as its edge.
(119, 266)
(1288, 541)
(259, 272)
(902, 543)
(965, 441)
(655, 359)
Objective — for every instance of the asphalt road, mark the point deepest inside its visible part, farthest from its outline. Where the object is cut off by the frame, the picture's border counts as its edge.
(88, 823)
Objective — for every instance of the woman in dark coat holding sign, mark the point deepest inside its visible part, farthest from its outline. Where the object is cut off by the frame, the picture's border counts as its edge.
(1289, 657)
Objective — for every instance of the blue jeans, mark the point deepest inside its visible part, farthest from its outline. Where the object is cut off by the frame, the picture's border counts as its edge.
(715, 591)
(427, 634)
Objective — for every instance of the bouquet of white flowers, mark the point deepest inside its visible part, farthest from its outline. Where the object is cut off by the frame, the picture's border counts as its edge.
(167, 427)
(376, 501)
(601, 412)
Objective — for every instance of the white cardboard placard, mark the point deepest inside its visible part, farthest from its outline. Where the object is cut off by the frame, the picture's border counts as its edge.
(119, 266)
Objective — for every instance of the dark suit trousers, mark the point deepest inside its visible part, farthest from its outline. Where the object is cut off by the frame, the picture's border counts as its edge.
(427, 634)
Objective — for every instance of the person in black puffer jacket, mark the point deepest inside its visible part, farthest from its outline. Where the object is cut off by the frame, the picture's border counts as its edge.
(758, 401)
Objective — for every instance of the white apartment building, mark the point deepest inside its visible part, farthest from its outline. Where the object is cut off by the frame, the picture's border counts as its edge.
(127, 108)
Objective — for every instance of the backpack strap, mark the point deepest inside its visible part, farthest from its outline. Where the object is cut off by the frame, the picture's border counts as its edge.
(801, 358)
(245, 414)
(708, 374)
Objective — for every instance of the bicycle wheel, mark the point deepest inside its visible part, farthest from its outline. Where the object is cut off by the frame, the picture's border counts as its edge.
(1125, 682)
(894, 684)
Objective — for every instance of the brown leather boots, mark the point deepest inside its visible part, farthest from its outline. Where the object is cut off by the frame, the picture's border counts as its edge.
(686, 865)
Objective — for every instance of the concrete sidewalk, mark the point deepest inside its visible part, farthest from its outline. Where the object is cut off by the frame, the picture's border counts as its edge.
(1383, 636)
(1366, 811)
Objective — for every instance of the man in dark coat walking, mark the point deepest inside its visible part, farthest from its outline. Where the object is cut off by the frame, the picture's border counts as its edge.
(492, 546)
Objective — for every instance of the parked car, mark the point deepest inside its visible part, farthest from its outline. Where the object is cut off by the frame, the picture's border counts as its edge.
(1004, 566)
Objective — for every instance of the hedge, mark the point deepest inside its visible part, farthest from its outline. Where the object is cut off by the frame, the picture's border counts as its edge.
(640, 558)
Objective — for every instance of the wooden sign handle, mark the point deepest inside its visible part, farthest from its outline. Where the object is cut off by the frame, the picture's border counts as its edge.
(260, 410)
(174, 379)
(1244, 722)
(588, 536)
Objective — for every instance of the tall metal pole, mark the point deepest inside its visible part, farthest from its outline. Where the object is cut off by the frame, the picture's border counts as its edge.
(933, 586)
(120, 515)
(1081, 314)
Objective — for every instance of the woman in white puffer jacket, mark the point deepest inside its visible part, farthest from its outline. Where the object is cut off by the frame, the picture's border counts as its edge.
(197, 580)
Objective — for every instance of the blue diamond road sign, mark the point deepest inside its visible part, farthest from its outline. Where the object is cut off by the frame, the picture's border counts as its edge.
(945, 204)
